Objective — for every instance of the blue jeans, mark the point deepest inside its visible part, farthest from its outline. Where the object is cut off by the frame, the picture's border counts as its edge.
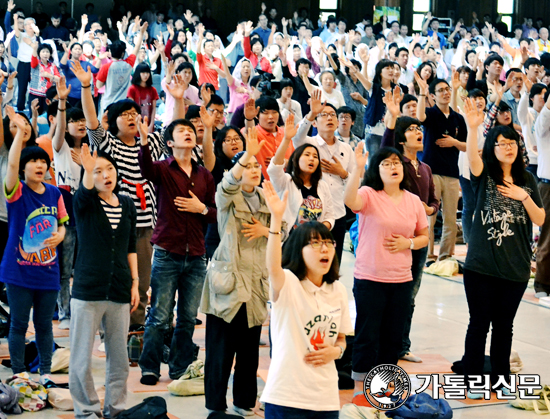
(419, 261)
(43, 303)
(274, 411)
(66, 261)
(468, 207)
(170, 273)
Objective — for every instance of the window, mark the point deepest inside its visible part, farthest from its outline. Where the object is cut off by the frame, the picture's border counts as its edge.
(328, 8)
(506, 9)
(420, 8)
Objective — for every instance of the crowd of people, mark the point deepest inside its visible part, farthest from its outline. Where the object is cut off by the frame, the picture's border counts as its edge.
(163, 171)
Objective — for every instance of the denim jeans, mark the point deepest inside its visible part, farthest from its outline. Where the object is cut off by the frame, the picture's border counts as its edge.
(43, 303)
(468, 207)
(382, 309)
(274, 411)
(170, 273)
(373, 142)
(419, 261)
(492, 302)
(67, 251)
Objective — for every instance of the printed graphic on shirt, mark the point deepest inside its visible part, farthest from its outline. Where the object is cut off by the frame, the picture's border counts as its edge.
(319, 328)
(39, 226)
(310, 210)
(500, 212)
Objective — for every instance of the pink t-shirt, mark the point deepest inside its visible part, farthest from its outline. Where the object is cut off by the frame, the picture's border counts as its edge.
(237, 99)
(192, 93)
(380, 217)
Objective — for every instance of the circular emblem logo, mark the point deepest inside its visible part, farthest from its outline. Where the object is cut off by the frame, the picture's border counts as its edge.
(387, 387)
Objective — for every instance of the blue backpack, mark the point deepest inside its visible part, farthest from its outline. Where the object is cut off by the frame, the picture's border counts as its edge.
(422, 406)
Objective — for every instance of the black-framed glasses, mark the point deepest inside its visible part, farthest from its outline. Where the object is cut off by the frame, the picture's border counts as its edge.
(326, 115)
(389, 164)
(504, 145)
(317, 244)
(232, 140)
(129, 115)
(414, 128)
(447, 89)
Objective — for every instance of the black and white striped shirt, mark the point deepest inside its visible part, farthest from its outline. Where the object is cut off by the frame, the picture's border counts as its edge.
(114, 214)
(126, 158)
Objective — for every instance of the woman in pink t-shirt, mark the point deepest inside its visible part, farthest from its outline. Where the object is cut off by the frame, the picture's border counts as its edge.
(238, 82)
(392, 221)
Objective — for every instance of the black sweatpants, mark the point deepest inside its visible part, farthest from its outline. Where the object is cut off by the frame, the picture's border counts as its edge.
(23, 79)
(225, 342)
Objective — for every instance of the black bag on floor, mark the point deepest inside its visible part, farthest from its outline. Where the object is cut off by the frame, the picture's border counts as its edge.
(150, 408)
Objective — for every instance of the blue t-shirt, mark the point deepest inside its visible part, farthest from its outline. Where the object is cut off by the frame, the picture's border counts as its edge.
(76, 86)
(32, 218)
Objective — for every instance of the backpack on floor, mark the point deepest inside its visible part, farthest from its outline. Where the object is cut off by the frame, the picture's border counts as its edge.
(422, 406)
(150, 408)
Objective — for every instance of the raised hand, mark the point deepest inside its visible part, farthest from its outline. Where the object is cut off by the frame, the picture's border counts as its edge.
(143, 125)
(290, 128)
(62, 89)
(159, 46)
(315, 104)
(360, 158)
(205, 94)
(250, 109)
(88, 161)
(178, 90)
(207, 119)
(85, 77)
(253, 147)
(364, 55)
(392, 101)
(422, 85)
(528, 83)
(276, 206)
(11, 78)
(472, 114)
(11, 5)
(248, 28)
(188, 16)
(284, 22)
(143, 28)
(455, 80)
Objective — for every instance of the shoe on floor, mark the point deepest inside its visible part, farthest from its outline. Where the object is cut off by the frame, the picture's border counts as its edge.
(101, 348)
(541, 294)
(44, 379)
(410, 357)
(198, 322)
(475, 396)
(263, 342)
(64, 324)
(149, 380)
(243, 412)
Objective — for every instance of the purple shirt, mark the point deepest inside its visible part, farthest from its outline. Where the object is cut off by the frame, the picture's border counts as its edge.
(421, 183)
(177, 231)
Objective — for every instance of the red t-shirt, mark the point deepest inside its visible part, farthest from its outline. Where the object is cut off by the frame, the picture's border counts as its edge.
(205, 74)
(144, 97)
(104, 70)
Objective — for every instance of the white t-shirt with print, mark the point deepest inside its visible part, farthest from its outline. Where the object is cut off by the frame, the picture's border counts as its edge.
(303, 316)
(67, 172)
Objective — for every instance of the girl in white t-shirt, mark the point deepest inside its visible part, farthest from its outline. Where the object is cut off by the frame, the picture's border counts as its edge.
(69, 135)
(309, 320)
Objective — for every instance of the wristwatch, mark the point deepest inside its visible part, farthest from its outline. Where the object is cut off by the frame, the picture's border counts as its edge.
(412, 244)
(205, 210)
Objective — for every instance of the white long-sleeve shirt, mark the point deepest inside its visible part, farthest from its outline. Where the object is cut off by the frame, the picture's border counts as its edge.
(542, 136)
(340, 150)
(527, 117)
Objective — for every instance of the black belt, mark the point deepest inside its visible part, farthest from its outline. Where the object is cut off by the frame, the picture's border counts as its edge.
(544, 180)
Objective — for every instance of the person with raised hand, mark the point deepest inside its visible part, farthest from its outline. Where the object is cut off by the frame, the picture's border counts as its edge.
(392, 223)
(507, 204)
(336, 158)
(309, 318)
(122, 143)
(70, 134)
(30, 265)
(185, 192)
(105, 295)
(310, 198)
(236, 289)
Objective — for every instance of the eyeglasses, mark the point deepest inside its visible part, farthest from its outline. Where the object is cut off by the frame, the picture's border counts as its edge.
(504, 146)
(129, 115)
(345, 117)
(195, 121)
(232, 140)
(317, 244)
(80, 121)
(326, 115)
(215, 111)
(414, 128)
(253, 166)
(444, 90)
(389, 164)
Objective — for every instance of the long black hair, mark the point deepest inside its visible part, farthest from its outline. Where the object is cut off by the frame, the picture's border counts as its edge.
(382, 64)
(494, 169)
(142, 68)
(293, 167)
(194, 80)
(104, 155)
(225, 161)
(372, 176)
(74, 114)
(293, 260)
(8, 138)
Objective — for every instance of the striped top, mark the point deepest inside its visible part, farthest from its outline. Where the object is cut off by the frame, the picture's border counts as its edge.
(132, 182)
(114, 214)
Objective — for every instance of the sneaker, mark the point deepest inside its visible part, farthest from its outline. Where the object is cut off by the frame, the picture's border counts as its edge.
(149, 380)
(101, 348)
(475, 396)
(64, 324)
(44, 379)
(410, 357)
(541, 294)
(243, 412)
